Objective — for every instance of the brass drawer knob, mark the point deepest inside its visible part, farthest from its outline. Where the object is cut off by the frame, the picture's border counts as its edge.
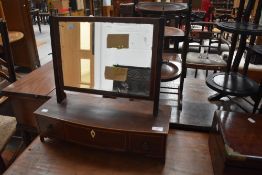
(93, 134)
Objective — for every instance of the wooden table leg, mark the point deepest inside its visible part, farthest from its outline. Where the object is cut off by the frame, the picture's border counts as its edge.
(2, 165)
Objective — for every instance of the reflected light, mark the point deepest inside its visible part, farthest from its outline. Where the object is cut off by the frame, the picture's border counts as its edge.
(85, 36)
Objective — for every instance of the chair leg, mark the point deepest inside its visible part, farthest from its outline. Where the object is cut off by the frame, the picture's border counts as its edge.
(179, 99)
(180, 89)
(257, 99)
(196, 73)
(2, 165)
(38, 22)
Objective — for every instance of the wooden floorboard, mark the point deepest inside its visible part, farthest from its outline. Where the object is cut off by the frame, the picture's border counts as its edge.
(197, 112)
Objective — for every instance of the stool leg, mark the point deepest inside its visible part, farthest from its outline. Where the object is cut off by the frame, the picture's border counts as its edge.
(2, 165)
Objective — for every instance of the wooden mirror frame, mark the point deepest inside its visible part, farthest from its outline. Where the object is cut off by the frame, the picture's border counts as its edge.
(158, 31)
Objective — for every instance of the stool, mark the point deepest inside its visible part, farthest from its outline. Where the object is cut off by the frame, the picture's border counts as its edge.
(235, 143)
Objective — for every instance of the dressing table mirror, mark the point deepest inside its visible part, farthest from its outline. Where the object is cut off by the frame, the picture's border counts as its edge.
(113, 57)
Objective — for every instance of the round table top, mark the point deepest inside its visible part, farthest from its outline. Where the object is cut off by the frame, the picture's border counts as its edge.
(173, 32)
(161, 8)
(171, 67)
(232, 84)
(13, 36)
(240, 28)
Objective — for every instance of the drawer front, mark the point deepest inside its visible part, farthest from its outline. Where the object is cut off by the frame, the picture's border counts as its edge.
(105, 139)
(51, 128)
(150, 145)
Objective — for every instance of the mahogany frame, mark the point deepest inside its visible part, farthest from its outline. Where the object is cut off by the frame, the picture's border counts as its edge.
(158, 31)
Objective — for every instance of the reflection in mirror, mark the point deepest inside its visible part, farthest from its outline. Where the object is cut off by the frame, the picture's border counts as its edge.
(107, 56)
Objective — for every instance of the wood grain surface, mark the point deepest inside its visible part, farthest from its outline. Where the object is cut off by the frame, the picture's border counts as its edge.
(38, 83)
(187, 154)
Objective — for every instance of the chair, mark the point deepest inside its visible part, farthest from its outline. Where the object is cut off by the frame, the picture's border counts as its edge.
(7, 72)
(7, 129)
(6, 58)
(199, 56)
(232, 82)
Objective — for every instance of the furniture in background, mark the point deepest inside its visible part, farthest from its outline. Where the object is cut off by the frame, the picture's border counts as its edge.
(29, 93)
(235, 143)
(7, 129)
(36, 17)
(202, 40)
(225, 83)
(18, 18)
(172, 35)
(7, 70)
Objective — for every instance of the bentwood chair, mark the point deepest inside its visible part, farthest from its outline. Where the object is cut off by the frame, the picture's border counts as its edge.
(231, 82)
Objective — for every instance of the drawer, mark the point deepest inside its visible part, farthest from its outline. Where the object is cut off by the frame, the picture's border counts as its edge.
(51, 128)
(101, 138)
(150, 145)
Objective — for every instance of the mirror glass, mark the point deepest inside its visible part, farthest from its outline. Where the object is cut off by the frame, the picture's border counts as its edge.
(107, 56)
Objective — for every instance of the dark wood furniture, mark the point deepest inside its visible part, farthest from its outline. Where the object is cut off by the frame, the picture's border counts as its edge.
(225, 83)
(154, 65)
(29, 93)
(58, 157)
(113, 124)
(106, 123)
(18, 18)
(6, 56)
(235, 143)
